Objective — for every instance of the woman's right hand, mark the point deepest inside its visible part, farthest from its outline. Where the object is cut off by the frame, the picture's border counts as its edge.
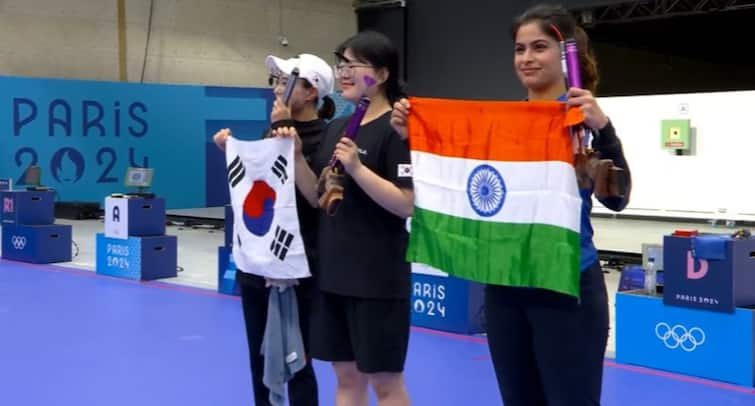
(221, 137)
(400, 116)
(289, 132)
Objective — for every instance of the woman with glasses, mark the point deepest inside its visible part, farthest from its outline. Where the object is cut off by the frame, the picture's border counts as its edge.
(314, 85)
(361, 314)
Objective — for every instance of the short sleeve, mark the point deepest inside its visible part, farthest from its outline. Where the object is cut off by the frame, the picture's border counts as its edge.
(398, 163)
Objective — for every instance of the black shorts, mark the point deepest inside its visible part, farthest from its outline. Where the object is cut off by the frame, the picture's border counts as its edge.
(372, 332)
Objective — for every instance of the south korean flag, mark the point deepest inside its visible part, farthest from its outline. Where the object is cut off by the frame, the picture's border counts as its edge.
(263, 196)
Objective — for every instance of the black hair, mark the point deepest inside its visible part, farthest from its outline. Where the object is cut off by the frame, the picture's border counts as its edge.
(377, 50)
(328, 108)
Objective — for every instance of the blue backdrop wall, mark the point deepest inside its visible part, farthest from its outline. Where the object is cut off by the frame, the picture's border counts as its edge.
(84, 134)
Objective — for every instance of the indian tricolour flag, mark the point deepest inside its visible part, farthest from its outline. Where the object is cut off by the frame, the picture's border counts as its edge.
(496, 197)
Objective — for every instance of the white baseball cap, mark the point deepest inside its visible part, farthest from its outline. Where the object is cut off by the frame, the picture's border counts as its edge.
(317, 72)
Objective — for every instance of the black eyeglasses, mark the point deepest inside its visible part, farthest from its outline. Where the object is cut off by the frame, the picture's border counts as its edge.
(347, 68)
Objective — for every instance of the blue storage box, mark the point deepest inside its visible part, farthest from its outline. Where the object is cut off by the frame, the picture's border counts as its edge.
(714, 273)
(705, 344)
(446, 303)
(134, 217)
(39, 244)
(227, 283)
(146, 217)
(137, 258)
(28, 207)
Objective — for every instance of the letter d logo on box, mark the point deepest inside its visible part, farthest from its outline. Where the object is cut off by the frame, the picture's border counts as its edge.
(693, 273)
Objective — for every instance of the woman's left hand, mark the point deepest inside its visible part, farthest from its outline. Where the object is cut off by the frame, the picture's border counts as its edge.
(594, 116)
(347, 152)
(285, 132)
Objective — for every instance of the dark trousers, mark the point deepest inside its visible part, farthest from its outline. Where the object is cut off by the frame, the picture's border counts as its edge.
(302, 389)
(548, 349)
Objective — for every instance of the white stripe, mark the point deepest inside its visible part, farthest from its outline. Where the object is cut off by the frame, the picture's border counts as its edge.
(423, 269)
(536, 192)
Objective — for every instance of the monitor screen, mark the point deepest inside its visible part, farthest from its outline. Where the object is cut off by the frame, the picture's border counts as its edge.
(139, 177)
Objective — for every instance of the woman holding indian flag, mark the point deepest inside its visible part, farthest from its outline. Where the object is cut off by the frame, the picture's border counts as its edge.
(546, 304)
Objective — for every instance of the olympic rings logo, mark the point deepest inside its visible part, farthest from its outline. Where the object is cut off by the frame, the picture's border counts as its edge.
(18, 241)
(679, 337)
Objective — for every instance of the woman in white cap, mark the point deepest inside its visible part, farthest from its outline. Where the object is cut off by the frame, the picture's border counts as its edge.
(312, 88)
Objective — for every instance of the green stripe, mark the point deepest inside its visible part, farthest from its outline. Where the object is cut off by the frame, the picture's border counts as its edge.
(524, 255)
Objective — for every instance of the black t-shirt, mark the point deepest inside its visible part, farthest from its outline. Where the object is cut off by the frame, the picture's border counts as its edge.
(363, 247)
(311, 133)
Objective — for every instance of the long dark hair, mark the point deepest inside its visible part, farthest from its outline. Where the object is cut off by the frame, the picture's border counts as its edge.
(545, 15)
(377, 50)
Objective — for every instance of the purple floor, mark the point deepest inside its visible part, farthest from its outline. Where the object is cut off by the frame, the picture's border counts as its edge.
(70, 337)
